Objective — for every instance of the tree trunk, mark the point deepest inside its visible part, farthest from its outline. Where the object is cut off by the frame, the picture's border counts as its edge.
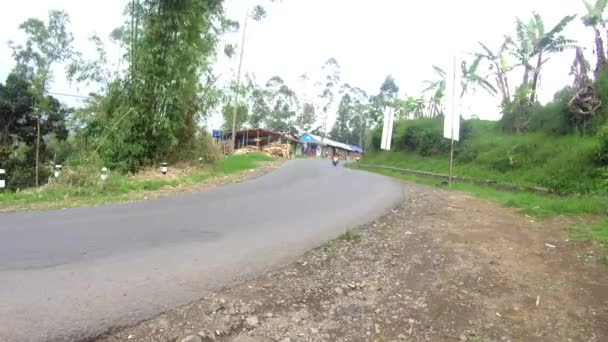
(526, 79)
(601, 54)
(37, 147)
(539, 63)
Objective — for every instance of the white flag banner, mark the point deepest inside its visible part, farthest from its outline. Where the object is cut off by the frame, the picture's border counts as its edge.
(387, 129)
(453, 88)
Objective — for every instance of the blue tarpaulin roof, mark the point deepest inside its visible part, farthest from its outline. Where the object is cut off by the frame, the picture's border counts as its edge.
(308, 139)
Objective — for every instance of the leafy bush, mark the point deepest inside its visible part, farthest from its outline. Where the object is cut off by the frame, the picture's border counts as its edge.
(555, 117)
(80, 171)
(206, 148)
(601, 152)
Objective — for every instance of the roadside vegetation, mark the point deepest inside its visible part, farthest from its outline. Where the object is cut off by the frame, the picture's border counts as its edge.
(74, 190)
(561, 145)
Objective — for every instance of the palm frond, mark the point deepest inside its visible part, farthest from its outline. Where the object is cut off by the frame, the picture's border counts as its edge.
(487, 86)
(439, 71)
(521, 31)
(539, 24)
(561, 25)
(488, 53)
(432, 85)
(600, 6)
(590, 8)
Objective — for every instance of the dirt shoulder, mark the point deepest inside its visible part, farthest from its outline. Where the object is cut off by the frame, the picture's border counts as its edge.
(442, 267)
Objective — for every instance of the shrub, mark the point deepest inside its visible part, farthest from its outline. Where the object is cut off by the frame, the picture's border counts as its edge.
(555, 117)
(80, 171)
(601, 152)
(205, 147)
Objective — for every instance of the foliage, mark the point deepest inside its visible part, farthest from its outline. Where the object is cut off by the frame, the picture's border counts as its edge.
(555, 117)
(471, 79)
(594, 19)
(437, 88)
(498, 67)
(307, 117)
(283, 103)
(331, 80)
(562, 163)
(206, 148)
(241, 116)
(18, 132)
(153, 113)
(534, 42)
(601, 152)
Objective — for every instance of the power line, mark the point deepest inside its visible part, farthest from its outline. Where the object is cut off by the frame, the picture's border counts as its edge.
(69, 95)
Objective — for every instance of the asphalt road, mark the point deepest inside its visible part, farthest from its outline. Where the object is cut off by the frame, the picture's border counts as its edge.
(71, 274)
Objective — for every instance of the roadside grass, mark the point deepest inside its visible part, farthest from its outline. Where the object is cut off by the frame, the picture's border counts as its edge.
(119, 188)
(350, 235)
(237, 163)
(534, 204)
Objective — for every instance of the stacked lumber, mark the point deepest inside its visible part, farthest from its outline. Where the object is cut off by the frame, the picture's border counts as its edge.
(278, 150)
(246, 150)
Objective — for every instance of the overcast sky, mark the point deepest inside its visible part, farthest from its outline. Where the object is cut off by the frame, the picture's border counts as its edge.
(369, 38)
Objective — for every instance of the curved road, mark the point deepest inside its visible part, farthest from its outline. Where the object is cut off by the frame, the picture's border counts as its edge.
(71, 274)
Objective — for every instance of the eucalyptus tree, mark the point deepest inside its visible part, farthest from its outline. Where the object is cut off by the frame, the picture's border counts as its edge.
(330, 83)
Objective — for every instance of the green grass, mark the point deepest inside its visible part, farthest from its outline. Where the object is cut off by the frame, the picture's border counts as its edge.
(119, 187)
(563, 163)
(534, 204)
(237, 163)
(597, 231)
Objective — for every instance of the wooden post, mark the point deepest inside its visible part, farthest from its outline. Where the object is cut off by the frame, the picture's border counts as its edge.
(451, 162)
(257, 140)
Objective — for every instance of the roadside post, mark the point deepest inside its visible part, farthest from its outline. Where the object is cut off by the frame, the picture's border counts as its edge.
(164, 168)
(58, 168)
(104, 174)
(2, 179)
(451, 121)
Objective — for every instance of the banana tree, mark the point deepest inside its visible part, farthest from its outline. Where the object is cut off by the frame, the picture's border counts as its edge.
(499, 68)
(594, 18)
(534, 42)
(471, 79)
(437, 87)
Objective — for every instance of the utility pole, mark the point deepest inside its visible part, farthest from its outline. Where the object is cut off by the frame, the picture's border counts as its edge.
(238, 83)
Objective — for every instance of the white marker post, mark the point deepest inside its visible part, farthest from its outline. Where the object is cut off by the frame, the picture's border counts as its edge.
(451, 122)
(387, 129)
(58, 168)
(104, 174)
(2, 179)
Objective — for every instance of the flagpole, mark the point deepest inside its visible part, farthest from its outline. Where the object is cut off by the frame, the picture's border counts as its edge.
(452, 122)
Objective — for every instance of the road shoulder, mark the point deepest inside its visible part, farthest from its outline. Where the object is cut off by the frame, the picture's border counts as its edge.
(443, 267)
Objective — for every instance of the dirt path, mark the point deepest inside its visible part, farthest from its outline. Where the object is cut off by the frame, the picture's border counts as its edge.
(443, 267)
